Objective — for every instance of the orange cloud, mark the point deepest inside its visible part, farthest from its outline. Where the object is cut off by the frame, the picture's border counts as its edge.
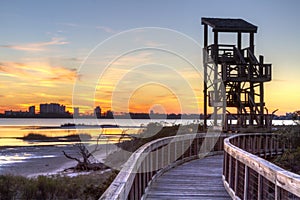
(33, 83)
(41, 73)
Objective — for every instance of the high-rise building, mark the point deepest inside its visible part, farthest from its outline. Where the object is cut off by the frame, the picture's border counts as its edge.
(75, 112)
(52, 108)
(109, 114)
(31, 110)
(97, 112)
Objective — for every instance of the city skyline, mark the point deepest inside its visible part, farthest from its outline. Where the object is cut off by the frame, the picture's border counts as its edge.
(31, 111)
(44, 44)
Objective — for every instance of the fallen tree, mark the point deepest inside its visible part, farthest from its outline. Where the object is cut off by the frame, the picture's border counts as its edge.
(84, 162)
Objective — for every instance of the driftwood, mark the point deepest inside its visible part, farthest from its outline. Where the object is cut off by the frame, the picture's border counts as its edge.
(84, 163)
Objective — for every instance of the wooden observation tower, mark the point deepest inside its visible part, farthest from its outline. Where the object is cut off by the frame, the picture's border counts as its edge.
(233, 77)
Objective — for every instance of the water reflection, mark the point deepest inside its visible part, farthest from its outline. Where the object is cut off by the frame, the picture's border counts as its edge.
(11, 136)
(20, 157)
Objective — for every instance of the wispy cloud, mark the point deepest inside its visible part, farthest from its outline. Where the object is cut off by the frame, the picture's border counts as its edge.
(41, 46)
(153, 44)
(41, 73)
(102, 28)
(106, 29)
(69, 24)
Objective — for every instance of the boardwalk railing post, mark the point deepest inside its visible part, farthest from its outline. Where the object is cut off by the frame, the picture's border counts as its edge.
(259, 186)
(246, 182)
(229, 170)
(276, 192)
(169, 154)
(236, 175)
(157, 160)
(266, 147)
(259, 145)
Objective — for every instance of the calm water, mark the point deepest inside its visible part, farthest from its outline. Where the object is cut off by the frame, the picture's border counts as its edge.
(18, 151)
(12, 128)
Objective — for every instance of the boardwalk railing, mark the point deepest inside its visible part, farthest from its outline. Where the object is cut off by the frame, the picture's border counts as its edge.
(149, 161)
(246, 175)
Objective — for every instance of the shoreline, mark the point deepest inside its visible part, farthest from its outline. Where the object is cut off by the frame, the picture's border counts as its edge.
(44, 160)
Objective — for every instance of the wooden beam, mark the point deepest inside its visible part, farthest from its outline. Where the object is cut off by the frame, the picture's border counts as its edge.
(216, 41)
(261, 91)
(205, 35)
(251, 42)
(205, 55)
(239, 40)
(216, 73)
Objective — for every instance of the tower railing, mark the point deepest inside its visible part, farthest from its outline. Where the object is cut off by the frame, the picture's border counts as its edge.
(221, 49)
(242, 72)
(246, 175)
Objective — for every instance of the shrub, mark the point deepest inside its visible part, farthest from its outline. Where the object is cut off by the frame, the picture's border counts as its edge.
(290, 159)
(152, 132)
(55, 187)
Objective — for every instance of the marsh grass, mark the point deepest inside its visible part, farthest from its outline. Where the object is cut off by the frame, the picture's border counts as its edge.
(152, 132)
(44, 138)
(290, 159)
(55, 187)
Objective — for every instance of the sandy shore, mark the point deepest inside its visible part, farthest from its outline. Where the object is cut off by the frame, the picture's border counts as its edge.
(45, 160)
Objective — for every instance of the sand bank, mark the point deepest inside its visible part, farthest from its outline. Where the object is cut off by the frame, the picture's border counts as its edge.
(45, 160)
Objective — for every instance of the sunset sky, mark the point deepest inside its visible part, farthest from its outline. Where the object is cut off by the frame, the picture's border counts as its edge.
(90, 53)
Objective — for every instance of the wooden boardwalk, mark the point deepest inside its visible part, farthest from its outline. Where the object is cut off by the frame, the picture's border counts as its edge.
(198, 179)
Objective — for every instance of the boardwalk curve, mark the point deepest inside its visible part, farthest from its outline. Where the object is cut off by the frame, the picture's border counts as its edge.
(197, 179)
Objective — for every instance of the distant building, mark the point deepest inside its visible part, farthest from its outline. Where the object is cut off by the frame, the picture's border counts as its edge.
(10, 113)
(97, 112)
(109, 114)
(76, 112)
(32, 110)
(52, 108)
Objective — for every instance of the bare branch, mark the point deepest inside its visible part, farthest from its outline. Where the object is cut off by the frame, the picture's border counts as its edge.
(85, 155)
(70, 157)
(274, 111)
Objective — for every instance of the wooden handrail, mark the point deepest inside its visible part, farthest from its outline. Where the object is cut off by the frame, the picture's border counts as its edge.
(246, 175)
(152, 158)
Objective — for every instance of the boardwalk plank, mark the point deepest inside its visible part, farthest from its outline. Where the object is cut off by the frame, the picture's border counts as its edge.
(198, 179)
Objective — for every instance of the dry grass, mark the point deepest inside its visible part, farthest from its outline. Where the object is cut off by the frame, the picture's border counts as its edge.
(55, 187)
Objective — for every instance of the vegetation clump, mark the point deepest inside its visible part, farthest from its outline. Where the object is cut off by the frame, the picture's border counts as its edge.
(290, 159)
(152, 132)
(55, 187)
(43, 138)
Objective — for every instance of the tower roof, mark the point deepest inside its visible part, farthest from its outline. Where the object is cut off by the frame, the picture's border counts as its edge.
(229, 25)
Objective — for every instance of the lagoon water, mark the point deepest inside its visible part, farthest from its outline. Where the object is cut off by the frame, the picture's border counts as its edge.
(16, 153)
(11, 128)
